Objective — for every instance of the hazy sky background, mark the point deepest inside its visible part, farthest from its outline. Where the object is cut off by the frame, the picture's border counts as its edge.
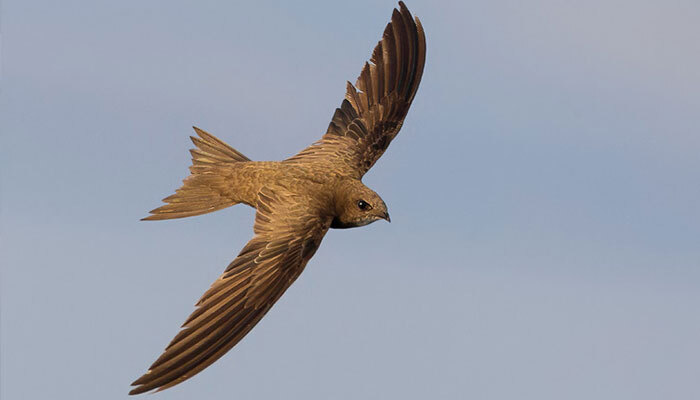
(544, 193)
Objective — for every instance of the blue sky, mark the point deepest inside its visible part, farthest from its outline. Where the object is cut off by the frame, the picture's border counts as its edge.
(545, 235)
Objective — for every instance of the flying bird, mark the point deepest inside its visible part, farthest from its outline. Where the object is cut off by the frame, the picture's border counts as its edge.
(297, 201)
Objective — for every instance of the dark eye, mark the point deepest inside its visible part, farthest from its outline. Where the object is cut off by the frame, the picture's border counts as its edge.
(363, 205)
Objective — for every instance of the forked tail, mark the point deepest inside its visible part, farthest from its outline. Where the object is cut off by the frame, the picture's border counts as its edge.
(209, 186)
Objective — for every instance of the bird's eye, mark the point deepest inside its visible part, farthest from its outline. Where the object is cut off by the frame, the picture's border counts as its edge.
(363, 205)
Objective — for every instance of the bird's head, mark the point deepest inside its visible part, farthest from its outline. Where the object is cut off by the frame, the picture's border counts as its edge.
(358, 205)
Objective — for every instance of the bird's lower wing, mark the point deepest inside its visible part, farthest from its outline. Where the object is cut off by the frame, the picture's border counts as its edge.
(286, 237)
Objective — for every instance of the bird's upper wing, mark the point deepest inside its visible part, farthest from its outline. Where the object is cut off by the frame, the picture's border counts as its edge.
(374, 109)
(287, 233)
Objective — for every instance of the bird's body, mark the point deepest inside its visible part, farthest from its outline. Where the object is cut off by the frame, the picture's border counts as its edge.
(297, 200)
(245, 180)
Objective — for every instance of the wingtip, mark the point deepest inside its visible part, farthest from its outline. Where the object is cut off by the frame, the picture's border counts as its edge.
(403, 9)
(152, 217)
(139, 385)
(133, 392)
(200, 132)
(139, 390)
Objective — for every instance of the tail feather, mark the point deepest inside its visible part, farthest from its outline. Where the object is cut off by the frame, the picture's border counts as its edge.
(209, 187)
(212, 150)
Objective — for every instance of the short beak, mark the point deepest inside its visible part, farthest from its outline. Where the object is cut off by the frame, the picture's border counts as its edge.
(386, 217)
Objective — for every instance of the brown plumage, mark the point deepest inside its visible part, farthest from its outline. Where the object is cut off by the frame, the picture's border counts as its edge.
(297, 201)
